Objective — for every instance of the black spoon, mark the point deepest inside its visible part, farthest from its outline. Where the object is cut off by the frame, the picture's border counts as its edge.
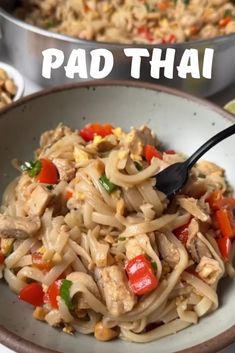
(173, 178)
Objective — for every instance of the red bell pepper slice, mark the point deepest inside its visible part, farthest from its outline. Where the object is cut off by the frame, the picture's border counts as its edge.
(217, 201)
(182, 233)
(89, 131)
(225, 21)
(146, 33)
(171, 39)
(68, 195)
(39, 263)
(170, 152)
(141, 275)
(163, 5)
(48, 173)
(2, 258)
(225, 222)
(227, 202)
(52, 294)
(214, 199)
(150, 152)
(225, 245)
(32, 294)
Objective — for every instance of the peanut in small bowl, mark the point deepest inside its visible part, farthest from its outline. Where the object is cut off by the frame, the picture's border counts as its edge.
(11, 85)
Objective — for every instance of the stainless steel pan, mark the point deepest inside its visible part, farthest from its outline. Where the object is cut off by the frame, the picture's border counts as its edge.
(23, 44)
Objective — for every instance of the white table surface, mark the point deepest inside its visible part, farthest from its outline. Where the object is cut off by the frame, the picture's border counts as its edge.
(220, 99)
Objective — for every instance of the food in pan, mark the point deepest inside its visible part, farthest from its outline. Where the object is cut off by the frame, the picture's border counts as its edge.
(88, 240)
(132, 21)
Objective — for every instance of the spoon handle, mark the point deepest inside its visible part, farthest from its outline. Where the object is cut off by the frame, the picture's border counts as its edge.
(209, 144)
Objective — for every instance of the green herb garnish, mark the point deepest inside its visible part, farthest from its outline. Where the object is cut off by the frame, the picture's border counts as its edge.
(138, 166)
(202, 176)
(50, 23)
(228, 13)
(50, 187)
(150, 8)
(107, 184)
(122, 238)
(33, 168)
(154, 265)
(65, 293)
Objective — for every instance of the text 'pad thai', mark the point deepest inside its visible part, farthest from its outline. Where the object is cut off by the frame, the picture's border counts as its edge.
(95, 248)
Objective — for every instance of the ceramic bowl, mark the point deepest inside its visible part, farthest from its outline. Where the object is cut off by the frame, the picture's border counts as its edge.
(183, 123)
(16, 77)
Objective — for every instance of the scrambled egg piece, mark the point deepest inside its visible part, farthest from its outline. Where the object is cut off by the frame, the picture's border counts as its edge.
(80, 155)
(118, 133)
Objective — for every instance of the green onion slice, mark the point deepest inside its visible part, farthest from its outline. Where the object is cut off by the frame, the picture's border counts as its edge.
(154, 265)
(65, 293)
(33, 168)
(107, 184)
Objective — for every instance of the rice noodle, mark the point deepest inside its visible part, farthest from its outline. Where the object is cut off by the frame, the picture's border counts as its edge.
(103, 216)
(148, 227)
(162, 331)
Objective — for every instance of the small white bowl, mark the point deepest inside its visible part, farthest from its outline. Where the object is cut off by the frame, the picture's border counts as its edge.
(16, 77)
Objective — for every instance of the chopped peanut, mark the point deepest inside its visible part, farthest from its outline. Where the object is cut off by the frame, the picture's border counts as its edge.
(103, 333)
(8, 89)
(39, 313)
(56, 259)
(68, 329)
(48, 255)
(6, 245)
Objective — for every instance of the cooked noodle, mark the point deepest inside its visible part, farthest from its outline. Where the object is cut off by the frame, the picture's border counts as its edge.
(74, 238)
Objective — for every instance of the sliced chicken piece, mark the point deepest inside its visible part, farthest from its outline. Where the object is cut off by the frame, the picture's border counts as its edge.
(51, 136)
(194, 245)
(39, 200)
(173, 158)
(208, 168)
(193, 207)
(134, 143)
(195, 188)
(18, 227)
(65, 168)
(167, 250)
(119, 298)
(147, 136)
(217, 181)
(136, 139)
(209, 270)
(133, 249)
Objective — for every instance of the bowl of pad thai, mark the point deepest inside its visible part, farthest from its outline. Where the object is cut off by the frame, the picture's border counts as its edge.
(29, 27)
(92, 255)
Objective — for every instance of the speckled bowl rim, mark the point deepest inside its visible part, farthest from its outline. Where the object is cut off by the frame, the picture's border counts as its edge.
(21, 345)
